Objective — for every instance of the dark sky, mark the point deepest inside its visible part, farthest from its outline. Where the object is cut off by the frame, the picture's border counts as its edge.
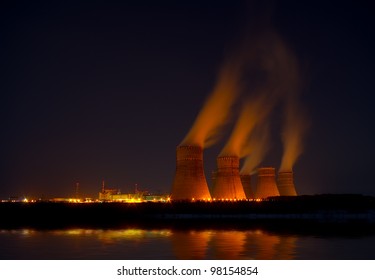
(96, 91)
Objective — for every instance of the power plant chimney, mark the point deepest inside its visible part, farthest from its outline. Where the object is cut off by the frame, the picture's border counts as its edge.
(189, 181)
(228, 183)
(285, 183)
(246, 183)
(266, 184)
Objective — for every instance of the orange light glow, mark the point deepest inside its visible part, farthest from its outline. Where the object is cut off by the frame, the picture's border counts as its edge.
(294, 128)
(204, 132)
(257, 148)
(253, 112)
(190, 245)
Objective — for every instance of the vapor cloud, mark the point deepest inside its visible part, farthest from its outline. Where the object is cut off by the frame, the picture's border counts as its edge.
(253, 111)
(257, 148)
(264, 71)
(215, 112)
(295, 126)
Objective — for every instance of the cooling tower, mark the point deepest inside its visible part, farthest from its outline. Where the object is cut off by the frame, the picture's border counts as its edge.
(285, 183)
(213, 177)
(246, 183)
(266, 184)
(228, 183)
(189, 181)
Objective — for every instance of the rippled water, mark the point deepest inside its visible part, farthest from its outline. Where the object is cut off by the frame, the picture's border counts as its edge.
(178, 244)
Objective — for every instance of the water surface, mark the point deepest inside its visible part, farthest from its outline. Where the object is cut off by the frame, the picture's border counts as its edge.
(138, 243)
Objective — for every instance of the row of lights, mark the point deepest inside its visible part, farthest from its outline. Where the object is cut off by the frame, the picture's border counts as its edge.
(74, 200)
(226, 199)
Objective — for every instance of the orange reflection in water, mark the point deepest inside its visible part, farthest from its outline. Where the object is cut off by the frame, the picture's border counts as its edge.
(112, 236)
(228, 244)
(191, 244)
(197, 244)
(265, 246)
(261, 246)
(232, 244)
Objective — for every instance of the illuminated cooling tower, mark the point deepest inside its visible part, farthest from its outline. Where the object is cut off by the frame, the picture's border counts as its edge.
(228, 183)
(246, 183)
(266, 184)
(189, 181)
(213, 177)
(285, 183)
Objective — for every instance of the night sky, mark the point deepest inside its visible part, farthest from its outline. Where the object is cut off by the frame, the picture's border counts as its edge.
(95, 91)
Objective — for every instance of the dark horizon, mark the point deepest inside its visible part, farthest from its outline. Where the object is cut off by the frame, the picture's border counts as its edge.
(107, 91)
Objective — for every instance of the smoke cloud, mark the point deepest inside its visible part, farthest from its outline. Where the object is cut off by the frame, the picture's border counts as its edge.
(295, 122)
(266, 70)
(253, 112)
(266, 59)
(257, 148)
(283, 82)
(215, 112)
(295, 126)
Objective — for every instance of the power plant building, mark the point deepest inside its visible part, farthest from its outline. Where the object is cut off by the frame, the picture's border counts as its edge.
(228, 182)
(285, 183)
(266, 183)
(190, 181)
(246, 183)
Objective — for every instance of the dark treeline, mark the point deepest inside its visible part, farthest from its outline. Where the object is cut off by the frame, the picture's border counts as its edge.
(275, 212)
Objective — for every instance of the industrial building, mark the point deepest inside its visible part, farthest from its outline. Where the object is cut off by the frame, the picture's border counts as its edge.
(115, 195)
(247, 187)
(285, 183)
(228, 182)
(266, 183)
(190, 181)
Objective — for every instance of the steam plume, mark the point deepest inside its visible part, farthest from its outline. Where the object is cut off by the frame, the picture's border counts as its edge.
(266, 59)
(285, 80)
(295, 121)
(294, 129)
(215, 112)
(253, 112)
(256, 149)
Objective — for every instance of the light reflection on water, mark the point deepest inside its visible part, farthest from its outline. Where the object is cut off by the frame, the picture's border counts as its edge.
(177, 244)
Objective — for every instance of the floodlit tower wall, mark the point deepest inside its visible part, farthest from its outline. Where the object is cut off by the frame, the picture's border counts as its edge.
(246, 183)
(285, 183)
(213, 179)
(266, 184)
(189, 181)
(228, 183)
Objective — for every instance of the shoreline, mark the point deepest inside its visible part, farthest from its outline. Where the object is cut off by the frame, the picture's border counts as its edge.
(326, 209)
